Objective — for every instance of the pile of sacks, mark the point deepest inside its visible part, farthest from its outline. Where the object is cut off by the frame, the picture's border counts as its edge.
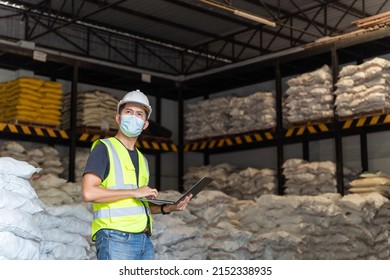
(81, 158)
(206, 118)
(313, 178)
(46, 157)
(319, 227)
(32, 228)
(31, 100)
(66, 222)
(254, 112)
(363, 88)
(95, 109)
(65, 230)
(371, 182)
(20, 236)
(239, 183)
(310, 96)
(201, 231)
(216, 226)
(53, 190)
(230, 115)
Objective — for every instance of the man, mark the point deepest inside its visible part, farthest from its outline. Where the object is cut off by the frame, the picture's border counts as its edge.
(115, 175)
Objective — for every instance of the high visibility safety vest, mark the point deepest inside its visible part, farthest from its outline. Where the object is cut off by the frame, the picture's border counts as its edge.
(127, 215)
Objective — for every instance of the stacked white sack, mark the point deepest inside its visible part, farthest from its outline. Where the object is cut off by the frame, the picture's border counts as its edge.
(51, 189)
(219, 173)
(329, 226)
(363, 88)
(176, 236)
(80, 162)
(313, 178)
(226, 238)
(310, 96)
(254, 112)
(66, 236)
(66, 230)
(207, 118)
(94, 109)
(16, 151)
(276, 245)
(247, 183)
(285, 110)
(251, 182)
(205, 231)
(230, 115)
(214, 223)
(20, 237)
(318, 227)
(51, 163)
(45, 157)
(369, 182)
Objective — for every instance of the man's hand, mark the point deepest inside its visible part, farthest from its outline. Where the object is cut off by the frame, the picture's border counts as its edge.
(180, 206)
(146, 191)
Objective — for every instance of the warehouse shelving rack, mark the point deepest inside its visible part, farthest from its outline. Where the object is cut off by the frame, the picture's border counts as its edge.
(60, 136)
(352, 49)
(70, 69)
(53, 136)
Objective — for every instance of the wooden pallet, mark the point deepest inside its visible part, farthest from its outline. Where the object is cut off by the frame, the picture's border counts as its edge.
(311, 122)
(154, 138)
(95, 130)
(112, 132)
(34, 124)
(366, 114)
(241, 134)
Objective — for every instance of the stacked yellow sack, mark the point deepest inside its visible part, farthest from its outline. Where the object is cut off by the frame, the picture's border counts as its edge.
(31, 100)
(51, 103)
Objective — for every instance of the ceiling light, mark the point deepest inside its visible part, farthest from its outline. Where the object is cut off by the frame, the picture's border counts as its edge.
(240, 13)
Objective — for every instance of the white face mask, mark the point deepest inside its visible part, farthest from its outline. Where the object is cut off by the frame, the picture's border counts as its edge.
(131, 126)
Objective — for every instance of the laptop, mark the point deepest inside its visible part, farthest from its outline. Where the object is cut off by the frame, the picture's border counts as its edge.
(194, 190)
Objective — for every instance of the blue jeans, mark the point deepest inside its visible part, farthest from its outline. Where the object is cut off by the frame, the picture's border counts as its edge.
(118, 245)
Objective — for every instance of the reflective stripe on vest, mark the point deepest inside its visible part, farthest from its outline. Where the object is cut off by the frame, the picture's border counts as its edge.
(118, 212)
(120, 184)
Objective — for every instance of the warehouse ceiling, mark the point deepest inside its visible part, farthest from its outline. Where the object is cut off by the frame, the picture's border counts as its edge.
(167, 39)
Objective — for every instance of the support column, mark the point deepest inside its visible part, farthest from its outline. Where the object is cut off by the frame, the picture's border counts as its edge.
(337, 130)
(157, 156)
(73, 124)
(305, 150)
(279, 127)
(364, 151)
(180, 148)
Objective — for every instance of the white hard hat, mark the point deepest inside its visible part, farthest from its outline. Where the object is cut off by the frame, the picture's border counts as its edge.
(136, 96)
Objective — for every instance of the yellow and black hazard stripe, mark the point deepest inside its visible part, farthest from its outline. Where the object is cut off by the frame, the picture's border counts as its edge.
(228, 141)
(33, 130)
(366, 121)
(307, 129)
(156, 146)
(87, 137)
(163, 146)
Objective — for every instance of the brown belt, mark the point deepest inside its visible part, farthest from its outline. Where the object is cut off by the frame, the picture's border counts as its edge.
(146, 230)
